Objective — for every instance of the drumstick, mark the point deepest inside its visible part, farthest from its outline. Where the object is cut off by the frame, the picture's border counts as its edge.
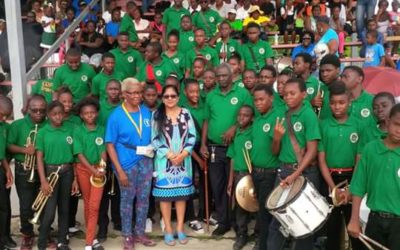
(365, 238)
(247, 160)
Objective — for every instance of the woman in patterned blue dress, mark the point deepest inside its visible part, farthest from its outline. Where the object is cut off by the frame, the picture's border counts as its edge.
(173, 138)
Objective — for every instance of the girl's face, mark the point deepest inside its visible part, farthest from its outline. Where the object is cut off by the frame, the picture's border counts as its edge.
(91, 27)
(48, 11)
(66, 101)
(170, 98)
(150, 97)
(36, 6)
(235, 65)
(282, 79)
(293, 96)
(70, 14)
(108, 64)
(198, 69)
(381, 108)
(173, 42)
(56, 116)
(89, 114)
(339, 105)
(193, 93)
(186, 23)
(225, 30)
(158, 18)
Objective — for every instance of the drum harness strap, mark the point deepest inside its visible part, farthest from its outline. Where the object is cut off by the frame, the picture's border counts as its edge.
(293, 140)
(253, 57)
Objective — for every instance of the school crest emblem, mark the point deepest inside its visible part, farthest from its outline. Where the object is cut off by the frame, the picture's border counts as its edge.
(310, 90)
(266, 127)
(84, 78)
(146, 122)
(201, 85)
(158, 73)
(231, 49)
(298, 126)
(261, 50)
(130, 59)
(241, 84)
(212, 19)
(248, 145)
(365, 112)
(69, 140)
(234, 100)
(176, 60)
(191, 39)
(208, 56)
(99, 141)
(354, 137)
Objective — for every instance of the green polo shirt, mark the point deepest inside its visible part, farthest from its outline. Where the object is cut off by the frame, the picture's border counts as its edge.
(178, 60)
(239, 82)
(232, 46)
(340, 142)
(161, 71)
(43, 87)
(90, 143)
(242, 141)
(262, 136)
(78, 81)
(207, 20)
(306, 128)
(73, 121)
(19, 131)
(262, 51)
(372, 133)
(186, 41)
(221, 110)
(128, 26)
(312, 84)
(326, 111)
(209, 53)
(3, 138)
(127, 63)
(362, 109)
(106, 109)
(56, 144)
(172, 17)
(199, 115)
(278, 103)
(378, 175)
(100, 81)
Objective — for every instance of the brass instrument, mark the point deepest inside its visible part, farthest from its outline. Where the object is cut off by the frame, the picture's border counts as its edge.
(336, 200)
(41, 199)
(30, 160)
(112, 189)
(319, 92)
(99, 181)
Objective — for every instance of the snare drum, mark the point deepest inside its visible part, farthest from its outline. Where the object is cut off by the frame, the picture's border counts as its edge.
(300, 208)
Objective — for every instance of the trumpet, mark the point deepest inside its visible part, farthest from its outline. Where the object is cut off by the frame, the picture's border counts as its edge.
(41, 199)
(99, 181)
(112, 189)
(30, 160)
(344, 185)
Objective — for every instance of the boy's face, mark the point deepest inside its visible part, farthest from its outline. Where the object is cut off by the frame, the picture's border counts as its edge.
(37, 110)
(73, 61)
(123, 42)
(381, 108)
(158, 18)
(249, 79)
(186, 23)
(4, 114)
(225, 30)
(328, 73)
(192, 92)
(394, 128)
(351, 79)
(209, 79)
(116, 15)
(150, 53)
(262, 101)
(370, 39)
(339, 105)
(89, 114)
(150, 97)
(56, 116)
(372, 26)
(253, 34)
(293, 96)
(231, 17)
(200, 37)
(198, 69)
(108, 64)
(113, 91)
(235, 65)
(282, 79)
(299, 66)
(244, 117)
(66, 101)
(266, 77)
(70, 14)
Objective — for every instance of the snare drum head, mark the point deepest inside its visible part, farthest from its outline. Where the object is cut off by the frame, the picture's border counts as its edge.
(274, 201)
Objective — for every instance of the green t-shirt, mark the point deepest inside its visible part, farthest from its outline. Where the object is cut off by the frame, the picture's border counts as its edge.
(222, 108)
(186, 41)
(56, 144)
(325, 109)
(236, 25)
(172, 18)
(340, 142)
(127, 63)
(43, 87)
(362, 109)
(78, 81)
(128, 26)
(262, 137)
(232, 46)
(198, 115)
(207, 52)
(305, 127)
(312, 84)
(99, 83)
(262, 51)
(178, 60)
(239, 82)
(161, 71)
(278, 103)
(207, 20)
(3, 138)
(90, 143)
(378, 175)
(105, 110)
(371, 134)
(19, 131)
(72, 121)
(242, 141)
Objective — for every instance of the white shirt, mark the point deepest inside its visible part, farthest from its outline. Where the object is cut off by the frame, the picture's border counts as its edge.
(142, 25)
(242, 13)
(223, 11)
(107, 16)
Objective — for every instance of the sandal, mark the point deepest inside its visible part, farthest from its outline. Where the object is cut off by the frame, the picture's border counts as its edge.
(169, 239)
(182, 238)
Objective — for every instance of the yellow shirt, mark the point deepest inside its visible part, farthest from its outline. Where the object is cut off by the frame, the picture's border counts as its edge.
(259, 21)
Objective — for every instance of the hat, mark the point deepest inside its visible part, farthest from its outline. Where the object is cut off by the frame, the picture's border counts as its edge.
(232, 11)
(255, 8)
(82, 3)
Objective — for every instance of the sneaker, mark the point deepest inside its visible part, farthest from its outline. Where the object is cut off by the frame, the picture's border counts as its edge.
(196, 226)
(240, 242)
(149, 226)
(9, 243)
(213, 222)
(162, 225)
(220, 231)
(129, 244)
(27, 242)
(144, 240)
(88, 248)
(96, 245)
(61, 246)
(73, 230)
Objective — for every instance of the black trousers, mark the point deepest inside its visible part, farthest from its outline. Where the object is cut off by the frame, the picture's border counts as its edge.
(218, 175)
(384, 230)
(264, 182)
(5, 207)
(27, 192)
(59, 199)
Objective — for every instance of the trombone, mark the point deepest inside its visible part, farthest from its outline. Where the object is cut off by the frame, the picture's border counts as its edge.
(30, 160)
(41, 199)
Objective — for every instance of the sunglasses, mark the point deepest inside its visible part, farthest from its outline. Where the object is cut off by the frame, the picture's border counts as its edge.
(306, 38)
(170, 96)
(41, 111)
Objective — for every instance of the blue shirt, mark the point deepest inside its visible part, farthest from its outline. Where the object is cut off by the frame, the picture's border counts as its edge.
(112, 29)
(329, 35)
(379, 39)
(65, 23)
(121, 132)
(301, 49)
(373, 55)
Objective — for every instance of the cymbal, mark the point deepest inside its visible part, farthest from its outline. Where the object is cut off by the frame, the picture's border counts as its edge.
(245, 194)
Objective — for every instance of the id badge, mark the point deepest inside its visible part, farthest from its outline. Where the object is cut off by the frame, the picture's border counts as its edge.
(142, 150)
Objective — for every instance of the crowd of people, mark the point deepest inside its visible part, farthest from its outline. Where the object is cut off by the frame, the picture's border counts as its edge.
(170, 103)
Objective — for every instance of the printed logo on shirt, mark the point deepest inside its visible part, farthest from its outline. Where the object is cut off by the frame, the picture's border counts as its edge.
(99, 141)
(241, 84)
(261, 50)
(146, 122)
(158, 73)
(354, 137)
(176, 60)
(47, 87)
(310, 90)
(248, 145)
(190, 38)
(212, 19)
(130, 59)
(266, 127)
(69, 140)
(234, 100)
(208, 56)
(398, 173)
(231, 49)
(365, 112)
(298, 126)
(201, 85)
(84, 78)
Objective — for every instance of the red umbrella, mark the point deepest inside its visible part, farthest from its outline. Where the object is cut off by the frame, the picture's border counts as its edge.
(382, 79)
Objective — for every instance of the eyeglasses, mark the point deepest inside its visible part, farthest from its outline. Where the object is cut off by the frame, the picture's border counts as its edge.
(41, 111)
(134, 92)
(306, 38)
(170, 96)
